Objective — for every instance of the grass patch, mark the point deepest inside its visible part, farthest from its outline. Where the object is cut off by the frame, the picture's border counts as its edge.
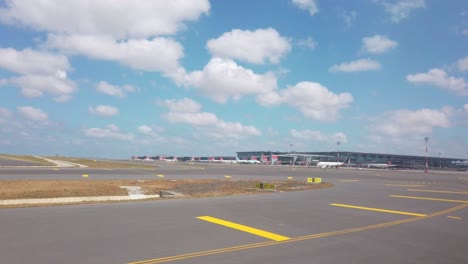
(99, 164)
(27, 158)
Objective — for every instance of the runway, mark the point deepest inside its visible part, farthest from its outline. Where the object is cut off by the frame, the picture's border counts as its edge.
(370, 216)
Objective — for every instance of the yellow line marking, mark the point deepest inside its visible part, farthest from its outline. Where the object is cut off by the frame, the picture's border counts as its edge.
(85, 175)
(227, 176)
(405, 185)
(454, 217)
(435, 191)
(430, 199)
(55, 169)
(244, 228)
(160, 175)
(349, 180)
(290, 177)
(297, 239)
(377, 209)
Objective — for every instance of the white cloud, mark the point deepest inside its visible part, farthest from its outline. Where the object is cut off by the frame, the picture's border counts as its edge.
(40, 72)
(103, 110)
(349, 18)
(312, 99)
(5, 114)
(356, 66)
(378, 44)
(28, 61)
(149, 132)
(401, 9)
(186, 105)
(440, 78)
(400, 123)
(111, 131)
(308, 43)
(36, 85)
(313, 135)
(119, 19)
(34, 114)
(222, 79)
(114, 90)
(146, 130)
(250, 46)
(463, 64)
(309, 5)
(158, 54)
(208, 124)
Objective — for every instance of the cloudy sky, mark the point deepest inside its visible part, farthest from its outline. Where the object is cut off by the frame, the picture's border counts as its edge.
(115, 78)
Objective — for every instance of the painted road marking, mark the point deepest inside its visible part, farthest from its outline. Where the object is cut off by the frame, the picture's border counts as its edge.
(405, 185)
(349, 180)
(227, 176)
(290, 177)
(160, 175)
(296, 239)
(435, 191)
(244, 228)
(85, 175)
(454, 217)
(377, 210)
(430, 199)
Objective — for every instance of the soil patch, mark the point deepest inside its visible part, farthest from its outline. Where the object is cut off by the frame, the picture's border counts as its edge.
(27, 189)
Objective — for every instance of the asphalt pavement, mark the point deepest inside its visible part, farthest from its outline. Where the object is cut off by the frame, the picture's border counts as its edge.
(370, 216)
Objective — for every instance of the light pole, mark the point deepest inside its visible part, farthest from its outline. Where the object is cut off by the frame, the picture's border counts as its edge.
(440, 161)
(426, 139)
(338, 143)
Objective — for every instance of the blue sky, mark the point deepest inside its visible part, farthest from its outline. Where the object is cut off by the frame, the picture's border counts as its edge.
(197, 77)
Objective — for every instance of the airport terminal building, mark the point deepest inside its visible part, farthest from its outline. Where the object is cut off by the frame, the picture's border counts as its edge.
(356, 159)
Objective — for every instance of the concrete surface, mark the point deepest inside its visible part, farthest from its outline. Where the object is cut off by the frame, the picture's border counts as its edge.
(168, 230)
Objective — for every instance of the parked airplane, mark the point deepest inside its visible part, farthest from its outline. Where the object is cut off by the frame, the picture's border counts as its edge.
(381, 165)
(331, 164)
(247, 161)
(171, 160)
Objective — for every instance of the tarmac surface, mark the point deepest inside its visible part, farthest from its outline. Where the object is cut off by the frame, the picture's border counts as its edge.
(370, 216)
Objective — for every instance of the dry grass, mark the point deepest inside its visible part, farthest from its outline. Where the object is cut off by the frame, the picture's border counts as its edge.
(38, 161)
(24, 189)
(104, 164)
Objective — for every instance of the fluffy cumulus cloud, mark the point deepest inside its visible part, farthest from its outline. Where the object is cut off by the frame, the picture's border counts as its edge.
(401, 123)
(207, 124)
(313, 100)
(313, 135)
(463, 64)
(104, 110)
(147, 18)
(185, 105)
(39, 73)
(378, 44)
(309, 5)
(114, 90)
(29, 61)
(401, 9)
(222, 79)
(33, 114)
(33, 86)
(160, 54)
(110, 132)
(256, 46)
(356, 66)
(139, 38)
(440, 78)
